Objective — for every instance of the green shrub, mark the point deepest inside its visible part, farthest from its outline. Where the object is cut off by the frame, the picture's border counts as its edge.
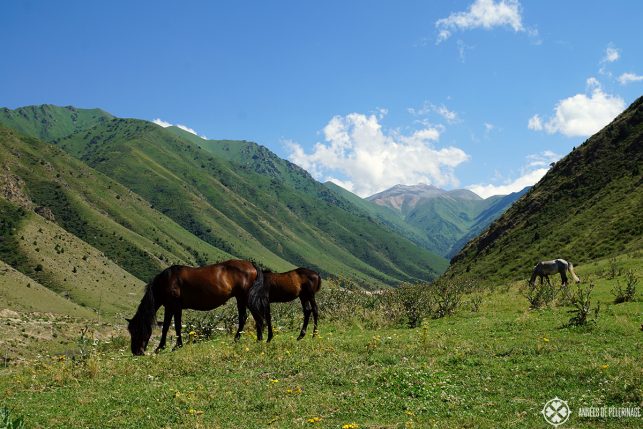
(582, 302)
(540, 295)
(629, 292)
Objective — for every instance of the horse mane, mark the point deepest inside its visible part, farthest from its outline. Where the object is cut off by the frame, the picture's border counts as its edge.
(145, 316)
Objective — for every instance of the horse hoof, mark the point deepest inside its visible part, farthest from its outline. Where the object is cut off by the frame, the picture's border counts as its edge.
(300, 337)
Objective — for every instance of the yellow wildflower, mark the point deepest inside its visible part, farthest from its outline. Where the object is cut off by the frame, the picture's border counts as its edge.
(605, 366)
(274, 380)
(545, 339)
(350, 426)
(314, 419)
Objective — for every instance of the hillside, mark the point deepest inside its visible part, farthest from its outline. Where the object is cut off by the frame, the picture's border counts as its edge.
(587, 206)
(220, 202)
(48, 122)
(445, 220)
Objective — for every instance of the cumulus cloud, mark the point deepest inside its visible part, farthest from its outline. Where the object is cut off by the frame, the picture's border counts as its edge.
(485, 14)
(371, 159)
(581, 115)
(536, 167)
(165, 124)
(626, 78)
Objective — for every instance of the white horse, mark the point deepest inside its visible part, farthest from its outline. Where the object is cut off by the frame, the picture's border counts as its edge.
(547, 268)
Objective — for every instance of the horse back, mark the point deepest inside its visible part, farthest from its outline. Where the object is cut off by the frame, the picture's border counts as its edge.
(210, 286)
(285, 287)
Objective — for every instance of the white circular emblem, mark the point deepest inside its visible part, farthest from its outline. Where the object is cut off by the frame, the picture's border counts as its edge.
(556, 412)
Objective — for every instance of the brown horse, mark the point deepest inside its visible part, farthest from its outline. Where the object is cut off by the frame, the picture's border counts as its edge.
(202, 288)
(301, 283)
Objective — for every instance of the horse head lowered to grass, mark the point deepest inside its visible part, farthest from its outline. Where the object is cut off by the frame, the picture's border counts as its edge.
(557, 266)
(202, 288)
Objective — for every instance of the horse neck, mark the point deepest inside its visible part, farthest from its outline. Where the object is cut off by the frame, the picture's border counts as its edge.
(146, 311)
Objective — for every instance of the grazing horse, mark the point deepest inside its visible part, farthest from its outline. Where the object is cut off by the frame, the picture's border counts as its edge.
(199, 288)
(301, 283)
(547, 268)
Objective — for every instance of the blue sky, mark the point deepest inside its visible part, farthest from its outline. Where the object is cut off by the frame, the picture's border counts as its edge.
(481, 94)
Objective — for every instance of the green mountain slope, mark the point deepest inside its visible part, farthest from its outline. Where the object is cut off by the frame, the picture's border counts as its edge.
(266, 209)
(497, 206)
(445, 220)
(587, 206)
(48, 122)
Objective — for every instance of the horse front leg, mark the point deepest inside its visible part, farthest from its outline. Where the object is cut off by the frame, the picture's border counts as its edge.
(167, 319)
(177, 327)
(306, 307)
(243, 315)
(315, 316)
(269, 323)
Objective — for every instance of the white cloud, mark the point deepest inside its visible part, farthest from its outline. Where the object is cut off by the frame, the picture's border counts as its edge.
(447, 114)
(528, 179)
(626, 78)
(165, 124)
(161, 122)
(372, 159)
(428, 107)
(535, 123)
(611, 54)
(536, 167)
(582, 114)
(485, 14)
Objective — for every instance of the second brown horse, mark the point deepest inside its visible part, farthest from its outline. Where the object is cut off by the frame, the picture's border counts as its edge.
(300, 283)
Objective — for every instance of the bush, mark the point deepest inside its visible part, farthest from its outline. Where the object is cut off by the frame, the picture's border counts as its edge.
(540, 295)
(613, 269)
(446, 295)
(629, 292)
(413, 300)
(582, 301)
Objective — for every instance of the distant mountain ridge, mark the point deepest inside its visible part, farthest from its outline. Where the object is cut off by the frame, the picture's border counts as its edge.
(446, 220)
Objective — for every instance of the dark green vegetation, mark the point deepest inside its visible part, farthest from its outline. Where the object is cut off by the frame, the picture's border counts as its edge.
(492, 367)
(587, 206)
(441, 221)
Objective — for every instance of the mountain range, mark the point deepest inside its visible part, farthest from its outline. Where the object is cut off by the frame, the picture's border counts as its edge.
(442, 221)
(92, 206)
(82, 191)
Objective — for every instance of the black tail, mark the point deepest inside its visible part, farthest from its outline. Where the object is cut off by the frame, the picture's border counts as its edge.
(259, 296)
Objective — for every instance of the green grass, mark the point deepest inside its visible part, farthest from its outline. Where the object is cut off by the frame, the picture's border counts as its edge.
(492, 368)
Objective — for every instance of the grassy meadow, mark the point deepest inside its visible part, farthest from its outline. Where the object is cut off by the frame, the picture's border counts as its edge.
(493, 363)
